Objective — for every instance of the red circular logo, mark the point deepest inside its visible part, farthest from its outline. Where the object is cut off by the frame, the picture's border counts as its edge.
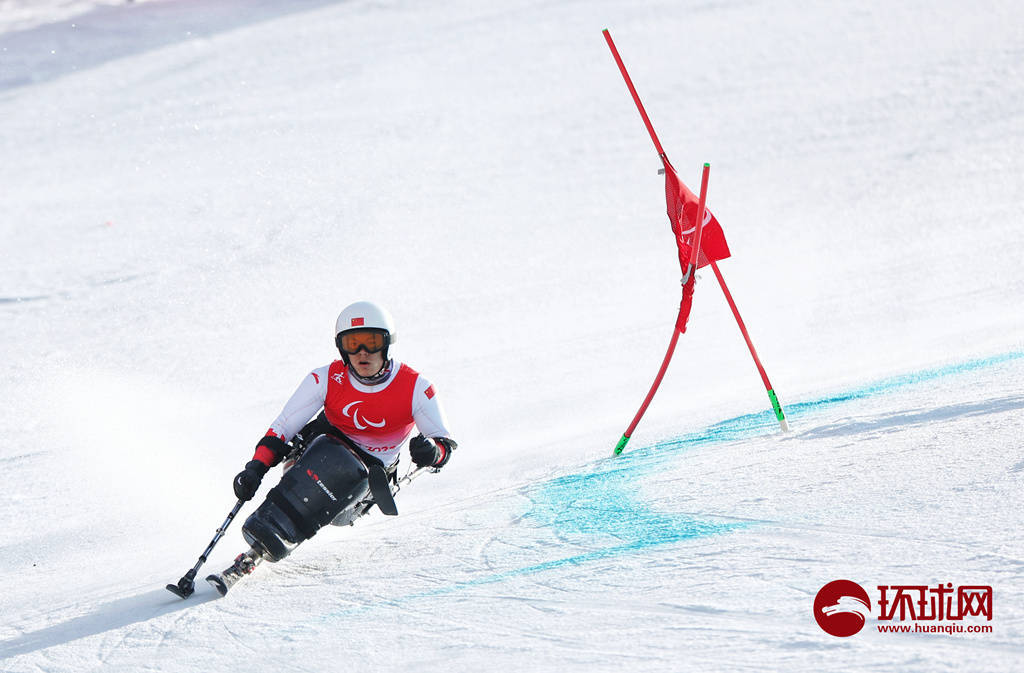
(841, 608)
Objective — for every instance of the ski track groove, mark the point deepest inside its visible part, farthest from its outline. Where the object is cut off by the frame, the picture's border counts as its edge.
(222, 616)
(564, 643)
(165, 632)
(483, 553)
(755, 621)
(105, 649)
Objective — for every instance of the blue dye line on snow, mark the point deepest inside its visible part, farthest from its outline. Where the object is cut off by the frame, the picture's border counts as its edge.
(764, 422)
(604, 506)
(496, 578)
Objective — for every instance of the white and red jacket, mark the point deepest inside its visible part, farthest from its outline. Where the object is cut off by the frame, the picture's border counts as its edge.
(378, 418)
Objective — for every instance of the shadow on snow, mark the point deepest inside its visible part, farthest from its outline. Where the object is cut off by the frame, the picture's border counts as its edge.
(107, 617)
(49, 51)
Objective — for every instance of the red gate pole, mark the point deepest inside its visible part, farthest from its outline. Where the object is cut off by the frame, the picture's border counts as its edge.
(632, 90)
(779, 415)
(688, 276)
(684, 313)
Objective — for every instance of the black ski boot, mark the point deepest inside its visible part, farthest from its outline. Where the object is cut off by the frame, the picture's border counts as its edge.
(244, 565)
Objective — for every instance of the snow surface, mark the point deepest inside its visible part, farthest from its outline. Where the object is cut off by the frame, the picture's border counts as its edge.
(192, 190)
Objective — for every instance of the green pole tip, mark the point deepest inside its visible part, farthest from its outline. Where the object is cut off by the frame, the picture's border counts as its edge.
(776, 406)
(621, 445)
(707, 165)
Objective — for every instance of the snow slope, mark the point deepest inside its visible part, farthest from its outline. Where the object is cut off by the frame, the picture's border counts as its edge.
(192, 191)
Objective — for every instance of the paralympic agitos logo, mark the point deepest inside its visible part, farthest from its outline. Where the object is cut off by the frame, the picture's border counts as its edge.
(842, 608)
(361, 423)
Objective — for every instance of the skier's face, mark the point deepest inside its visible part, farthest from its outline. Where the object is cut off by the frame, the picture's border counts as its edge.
(367, 364)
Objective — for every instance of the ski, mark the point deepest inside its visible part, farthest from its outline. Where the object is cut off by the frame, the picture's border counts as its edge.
(244, 565)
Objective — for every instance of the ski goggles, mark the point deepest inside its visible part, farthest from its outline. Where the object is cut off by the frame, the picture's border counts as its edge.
(370, 340)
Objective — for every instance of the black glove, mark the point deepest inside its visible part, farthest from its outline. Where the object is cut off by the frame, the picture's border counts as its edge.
(310, 431)
(248, 480)
(431, 452)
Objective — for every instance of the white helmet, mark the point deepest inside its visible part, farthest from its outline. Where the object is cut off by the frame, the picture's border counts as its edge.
(365, 315)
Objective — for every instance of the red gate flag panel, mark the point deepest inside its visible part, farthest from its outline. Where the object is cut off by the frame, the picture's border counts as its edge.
(682, 213)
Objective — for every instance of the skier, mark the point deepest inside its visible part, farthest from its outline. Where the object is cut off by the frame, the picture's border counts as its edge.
(370, 403)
